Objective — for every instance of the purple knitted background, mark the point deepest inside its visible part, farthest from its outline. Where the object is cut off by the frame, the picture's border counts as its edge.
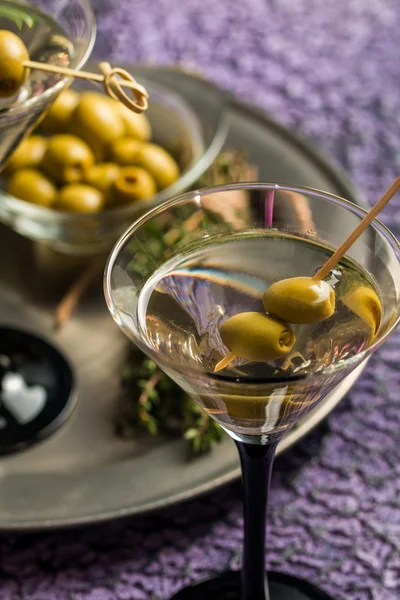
(331, 69)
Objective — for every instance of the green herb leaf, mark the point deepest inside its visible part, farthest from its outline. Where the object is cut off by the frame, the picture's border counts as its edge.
(154, 403)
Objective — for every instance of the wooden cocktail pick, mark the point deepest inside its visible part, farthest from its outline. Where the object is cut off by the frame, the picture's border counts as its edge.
(15, 64)
(225, 362)
(114, 80)
(338, 254)
(353, 237)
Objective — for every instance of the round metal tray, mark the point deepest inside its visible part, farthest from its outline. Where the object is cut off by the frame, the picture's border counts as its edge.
(84, 473)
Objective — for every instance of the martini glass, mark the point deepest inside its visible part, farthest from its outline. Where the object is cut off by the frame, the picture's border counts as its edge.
(59, 32)
(182, 269)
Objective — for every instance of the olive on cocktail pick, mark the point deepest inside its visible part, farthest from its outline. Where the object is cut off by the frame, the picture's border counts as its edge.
(13, 54)
(15, 65)
(300, 300)
(365, 303)
(256, 337)
(310, 298)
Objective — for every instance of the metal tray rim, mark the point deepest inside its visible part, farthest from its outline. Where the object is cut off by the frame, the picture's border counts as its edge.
(319, 414)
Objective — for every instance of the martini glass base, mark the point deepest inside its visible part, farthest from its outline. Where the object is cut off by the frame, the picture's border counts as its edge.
(226, 586)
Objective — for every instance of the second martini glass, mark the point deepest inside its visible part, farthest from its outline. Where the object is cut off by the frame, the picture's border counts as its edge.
(58, 32)
(185, 268)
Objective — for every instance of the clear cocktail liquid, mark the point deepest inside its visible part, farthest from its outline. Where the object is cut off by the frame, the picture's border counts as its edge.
(46, 42)
(183, 305)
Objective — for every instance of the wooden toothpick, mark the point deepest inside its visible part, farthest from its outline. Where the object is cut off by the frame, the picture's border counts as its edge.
(113, 79)
(225, 362)
(353, 237)
(70, 300)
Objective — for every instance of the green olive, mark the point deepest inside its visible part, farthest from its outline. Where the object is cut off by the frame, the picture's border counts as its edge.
(59, 113)
(80, 198)
(32, 186)
(67, 158)
(102, 176)
(300, 300)
(97, 122)
(13, 53)
(159, 163)
(124, 151)
(257, 337)
(136, 126)
(365, 303)
(132, 184)
(29, 153)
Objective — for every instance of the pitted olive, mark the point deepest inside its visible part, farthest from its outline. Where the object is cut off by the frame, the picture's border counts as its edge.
(300, 300)
(257, 337)
(32, 186)
(67, 158)
(132, 184)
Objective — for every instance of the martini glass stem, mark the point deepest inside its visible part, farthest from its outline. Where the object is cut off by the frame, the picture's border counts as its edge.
(256, 461)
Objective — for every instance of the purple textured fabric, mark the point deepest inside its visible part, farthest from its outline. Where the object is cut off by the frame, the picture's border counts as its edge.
(329, 68)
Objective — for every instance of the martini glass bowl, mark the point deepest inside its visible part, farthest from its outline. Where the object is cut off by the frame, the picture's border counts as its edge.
(185, 267)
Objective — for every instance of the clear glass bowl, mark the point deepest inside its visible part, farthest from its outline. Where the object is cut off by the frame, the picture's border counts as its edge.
(194, 135)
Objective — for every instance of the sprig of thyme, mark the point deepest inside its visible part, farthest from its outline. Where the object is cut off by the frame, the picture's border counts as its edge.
(156, 405)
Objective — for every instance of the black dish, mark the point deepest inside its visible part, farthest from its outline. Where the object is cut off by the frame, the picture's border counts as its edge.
(36, 389)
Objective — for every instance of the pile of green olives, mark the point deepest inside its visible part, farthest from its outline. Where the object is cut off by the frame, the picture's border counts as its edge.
(90, 153)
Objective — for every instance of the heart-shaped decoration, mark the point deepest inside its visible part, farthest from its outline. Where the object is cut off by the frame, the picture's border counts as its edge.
(24, 403)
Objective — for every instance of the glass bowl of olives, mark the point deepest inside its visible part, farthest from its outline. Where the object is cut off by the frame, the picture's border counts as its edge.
(92, 166)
